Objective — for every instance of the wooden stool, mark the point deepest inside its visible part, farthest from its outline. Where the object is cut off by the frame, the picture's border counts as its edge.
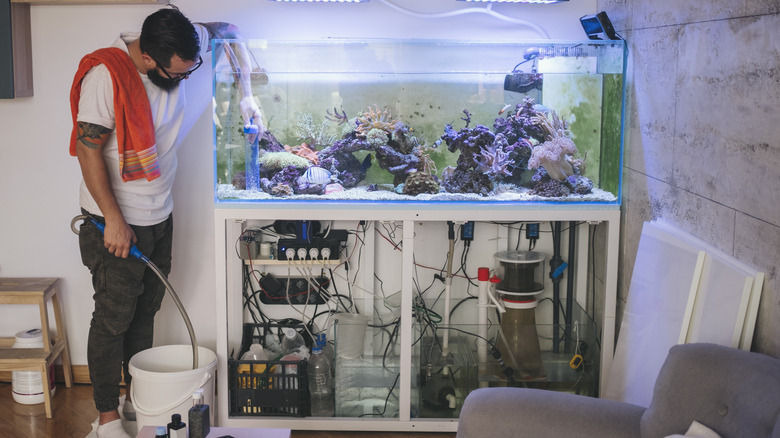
(36, 291)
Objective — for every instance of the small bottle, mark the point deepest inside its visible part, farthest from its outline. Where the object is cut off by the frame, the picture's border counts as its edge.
(177, 428)
(160, 432)
(291, 341)
(198, 416)
(327, 350)
(320, 384)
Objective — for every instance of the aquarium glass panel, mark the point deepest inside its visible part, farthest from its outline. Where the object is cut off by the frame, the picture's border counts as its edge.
(422, 121)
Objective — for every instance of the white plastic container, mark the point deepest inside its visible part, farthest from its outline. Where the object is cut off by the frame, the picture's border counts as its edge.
(28, 385)
(164, 382)
(350, 334)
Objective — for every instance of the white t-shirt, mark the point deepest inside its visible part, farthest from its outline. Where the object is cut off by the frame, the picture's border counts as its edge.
(142, 202)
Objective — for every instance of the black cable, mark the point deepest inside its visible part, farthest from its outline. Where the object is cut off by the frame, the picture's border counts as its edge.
(337, 294)
(519, 236)
(387, 400)
(461, 302)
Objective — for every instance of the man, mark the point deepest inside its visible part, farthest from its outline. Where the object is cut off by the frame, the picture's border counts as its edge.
(128, 106)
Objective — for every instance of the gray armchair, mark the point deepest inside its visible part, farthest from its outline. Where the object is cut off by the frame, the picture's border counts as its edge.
(733, 392)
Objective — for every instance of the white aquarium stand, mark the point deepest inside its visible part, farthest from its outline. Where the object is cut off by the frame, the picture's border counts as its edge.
(229, 218)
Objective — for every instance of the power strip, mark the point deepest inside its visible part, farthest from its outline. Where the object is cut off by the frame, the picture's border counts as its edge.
(275, 291)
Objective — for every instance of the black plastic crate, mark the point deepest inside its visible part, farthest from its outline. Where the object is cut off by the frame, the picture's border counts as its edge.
(267, 387)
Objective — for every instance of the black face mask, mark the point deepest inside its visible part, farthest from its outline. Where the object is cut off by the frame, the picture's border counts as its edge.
(161, 81)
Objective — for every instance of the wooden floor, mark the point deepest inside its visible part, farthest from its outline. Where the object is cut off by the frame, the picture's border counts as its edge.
(74, 413)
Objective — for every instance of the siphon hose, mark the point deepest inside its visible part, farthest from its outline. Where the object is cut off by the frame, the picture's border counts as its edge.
(135, 252)
(180, 306)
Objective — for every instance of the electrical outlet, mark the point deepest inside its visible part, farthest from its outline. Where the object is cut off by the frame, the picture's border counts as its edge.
(275, 290)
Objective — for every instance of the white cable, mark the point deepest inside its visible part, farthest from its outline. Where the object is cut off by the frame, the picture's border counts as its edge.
(292, 306)
(353, 284)
(487, 10)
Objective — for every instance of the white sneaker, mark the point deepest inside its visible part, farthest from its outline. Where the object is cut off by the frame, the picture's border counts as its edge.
(112, 429)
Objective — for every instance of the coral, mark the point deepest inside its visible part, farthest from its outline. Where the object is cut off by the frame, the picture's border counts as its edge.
(519, 153)
(520, 124)
(402, 140)
(397, 163)
(339, 117)
(457, 180)
(287, 176)
(303, 150)
(551, 188)
(578, 164)
(377, 137)
(282, 190)
(579, 184)
(420, 182)
(493, 160)
(269, 143)
(304, 187)
(374, 118)
(239, 180)
(314, 134)
(394, 148)
(340, 161)
(351, 179)
(470, 142)
(556, 153)
(427, 163)
(344, 146)
(278, 160)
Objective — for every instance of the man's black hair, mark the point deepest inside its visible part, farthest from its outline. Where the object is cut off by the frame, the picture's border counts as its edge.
(168, 32)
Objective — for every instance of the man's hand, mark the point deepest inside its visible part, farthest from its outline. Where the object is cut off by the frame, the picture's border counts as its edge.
(251, 113)
(118, 237)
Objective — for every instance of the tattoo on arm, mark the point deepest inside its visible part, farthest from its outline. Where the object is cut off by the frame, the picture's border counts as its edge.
(92, 136)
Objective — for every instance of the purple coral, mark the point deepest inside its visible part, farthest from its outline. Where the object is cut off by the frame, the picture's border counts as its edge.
(493, 160)
(459, 180)
(269, 143)
(395, 154)
(551, 188)
(287, 176)
(580, 184)
(520, 123)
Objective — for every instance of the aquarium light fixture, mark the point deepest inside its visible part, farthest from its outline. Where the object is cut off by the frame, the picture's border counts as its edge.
(515, 1)
(599, 25)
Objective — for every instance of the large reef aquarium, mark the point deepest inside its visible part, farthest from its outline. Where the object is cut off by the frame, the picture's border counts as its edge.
(423, 121)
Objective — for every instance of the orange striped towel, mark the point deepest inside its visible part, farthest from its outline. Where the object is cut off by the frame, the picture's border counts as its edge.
(134, 126)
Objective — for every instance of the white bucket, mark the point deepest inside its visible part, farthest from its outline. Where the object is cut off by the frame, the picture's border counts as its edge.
(164, 381)
(27, 386)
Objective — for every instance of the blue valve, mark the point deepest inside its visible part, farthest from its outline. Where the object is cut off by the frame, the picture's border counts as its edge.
(134, 251)
(559, 270)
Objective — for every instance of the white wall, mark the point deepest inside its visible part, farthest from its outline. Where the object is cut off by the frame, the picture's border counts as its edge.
(39, 180)
(702, 147)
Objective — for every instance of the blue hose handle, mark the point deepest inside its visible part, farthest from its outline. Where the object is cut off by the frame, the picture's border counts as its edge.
(134, 251)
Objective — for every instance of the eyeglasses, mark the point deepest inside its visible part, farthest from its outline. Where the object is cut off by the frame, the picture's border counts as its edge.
(177, 77)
